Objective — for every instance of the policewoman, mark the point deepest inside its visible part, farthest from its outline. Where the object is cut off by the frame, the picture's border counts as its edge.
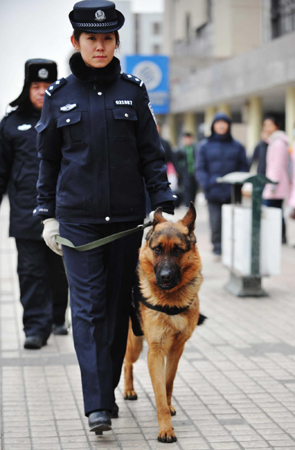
(98, 141)
(42, 279)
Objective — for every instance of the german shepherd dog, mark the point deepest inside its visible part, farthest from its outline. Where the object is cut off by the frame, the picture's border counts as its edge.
(170, 278)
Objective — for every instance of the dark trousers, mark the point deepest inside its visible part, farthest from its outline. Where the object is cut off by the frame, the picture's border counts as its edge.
(43, 287)
(275, 203)
(100, 282)
(191, 187)
(215, 225)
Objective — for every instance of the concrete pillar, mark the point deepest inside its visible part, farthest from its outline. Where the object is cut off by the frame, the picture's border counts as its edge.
(225, 108)
(254, 123)
(290, 112)
(189, 123)
(171, 129)
(209, 115)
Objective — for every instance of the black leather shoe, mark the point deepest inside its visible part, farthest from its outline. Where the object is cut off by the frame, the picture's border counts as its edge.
(59, 330)
(34, 342)
(100, 421)
(115, 411)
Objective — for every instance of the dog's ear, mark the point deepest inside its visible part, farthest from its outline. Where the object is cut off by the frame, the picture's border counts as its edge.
(190, 218)
(158, 218)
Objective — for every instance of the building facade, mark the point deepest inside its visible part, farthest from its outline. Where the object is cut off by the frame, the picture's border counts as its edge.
(235, 56)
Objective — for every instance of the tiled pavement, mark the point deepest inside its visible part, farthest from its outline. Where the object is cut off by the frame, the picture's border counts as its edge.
(235, 388)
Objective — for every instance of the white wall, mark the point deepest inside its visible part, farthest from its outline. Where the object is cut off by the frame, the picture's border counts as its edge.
(147, 38)
(41, 29)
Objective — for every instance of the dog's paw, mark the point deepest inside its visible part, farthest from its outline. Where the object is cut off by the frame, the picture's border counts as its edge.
(167, 436)
(172, 410)
(130, 395)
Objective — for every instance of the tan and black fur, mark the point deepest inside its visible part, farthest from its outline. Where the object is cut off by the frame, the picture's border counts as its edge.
(170, 274)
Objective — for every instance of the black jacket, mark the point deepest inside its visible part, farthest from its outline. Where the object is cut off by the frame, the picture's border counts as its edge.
(94, 156)
(259, 157)
(19, 167)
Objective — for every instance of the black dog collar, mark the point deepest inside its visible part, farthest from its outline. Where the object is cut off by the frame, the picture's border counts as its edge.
(171, 311)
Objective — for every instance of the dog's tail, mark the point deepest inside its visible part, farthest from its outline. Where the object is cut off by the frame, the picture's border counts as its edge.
(202, 319)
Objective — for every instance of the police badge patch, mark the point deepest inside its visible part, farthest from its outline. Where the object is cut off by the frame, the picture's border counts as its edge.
(152, 112)
(68, 107)
(100, 15)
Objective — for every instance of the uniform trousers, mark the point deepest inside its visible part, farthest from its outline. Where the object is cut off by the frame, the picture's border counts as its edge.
(100, 282)
(215, 218)
(43, 287)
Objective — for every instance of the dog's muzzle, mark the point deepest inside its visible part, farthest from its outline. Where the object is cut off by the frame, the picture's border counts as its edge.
(167, 278)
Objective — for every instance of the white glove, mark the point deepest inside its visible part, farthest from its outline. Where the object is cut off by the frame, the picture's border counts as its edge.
(51, 229)
(166, 216)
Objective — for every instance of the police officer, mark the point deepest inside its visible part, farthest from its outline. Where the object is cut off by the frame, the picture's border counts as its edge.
(43, 284)
(97, 139)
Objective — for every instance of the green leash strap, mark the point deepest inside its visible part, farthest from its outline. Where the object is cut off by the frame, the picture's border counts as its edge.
(103, 241)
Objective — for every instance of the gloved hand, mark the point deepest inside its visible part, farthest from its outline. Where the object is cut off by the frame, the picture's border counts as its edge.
(51, 229)
(166, 216)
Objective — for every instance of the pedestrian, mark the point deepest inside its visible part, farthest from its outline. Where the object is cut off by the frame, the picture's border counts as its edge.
(218, 155)
(166, 146)
(292, 194)
(259, 155)
(185, 160)
(97, 140)
(42, 279)
(277, 168)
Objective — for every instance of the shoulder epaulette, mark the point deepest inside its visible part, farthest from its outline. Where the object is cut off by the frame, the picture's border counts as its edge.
(135, 80)
(8, 113)
(56, 85)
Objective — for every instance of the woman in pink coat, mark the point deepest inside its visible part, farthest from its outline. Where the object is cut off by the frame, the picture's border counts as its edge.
(292, 196)
(277, 168)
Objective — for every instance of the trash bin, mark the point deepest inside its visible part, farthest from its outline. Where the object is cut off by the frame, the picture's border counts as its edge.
(251, 236)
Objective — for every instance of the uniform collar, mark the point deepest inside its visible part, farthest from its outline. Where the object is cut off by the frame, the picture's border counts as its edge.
(88, 75)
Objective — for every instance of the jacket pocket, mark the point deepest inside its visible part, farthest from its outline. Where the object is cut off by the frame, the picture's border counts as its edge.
(125, 123)
(70, 125)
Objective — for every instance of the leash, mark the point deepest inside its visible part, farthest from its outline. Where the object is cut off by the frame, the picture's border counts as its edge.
(103, 241)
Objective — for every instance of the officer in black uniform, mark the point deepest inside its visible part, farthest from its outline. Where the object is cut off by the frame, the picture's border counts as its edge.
(43, 284)
(97, 139)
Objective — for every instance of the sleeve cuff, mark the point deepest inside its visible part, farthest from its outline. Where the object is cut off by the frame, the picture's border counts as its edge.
(46, 211)
(160, 197)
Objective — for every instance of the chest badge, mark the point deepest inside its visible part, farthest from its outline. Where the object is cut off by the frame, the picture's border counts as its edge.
(24, 127)
(68, 107)
(123, 102)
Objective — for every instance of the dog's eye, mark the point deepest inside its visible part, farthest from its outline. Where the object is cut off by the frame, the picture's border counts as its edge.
(177, 251)
(158, 250)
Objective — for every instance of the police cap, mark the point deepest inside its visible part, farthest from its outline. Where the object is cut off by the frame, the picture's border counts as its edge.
(36, 70)
(96, 16)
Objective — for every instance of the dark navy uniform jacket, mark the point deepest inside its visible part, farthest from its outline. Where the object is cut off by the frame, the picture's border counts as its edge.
(19, 167)
(96, 144)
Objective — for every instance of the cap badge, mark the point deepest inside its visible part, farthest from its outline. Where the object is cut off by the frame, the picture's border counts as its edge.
(68, 107)
(43, 73)
(100, 15)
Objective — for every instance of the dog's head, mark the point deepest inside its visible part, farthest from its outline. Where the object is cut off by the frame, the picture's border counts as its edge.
(170, 258)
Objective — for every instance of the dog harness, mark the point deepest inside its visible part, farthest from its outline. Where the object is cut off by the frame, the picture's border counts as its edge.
(170, 310)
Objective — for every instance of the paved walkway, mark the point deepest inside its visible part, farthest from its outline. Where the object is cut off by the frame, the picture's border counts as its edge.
(235, 388)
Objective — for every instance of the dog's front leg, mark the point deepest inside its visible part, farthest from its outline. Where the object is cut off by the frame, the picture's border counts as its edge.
(156, 363)
(173, 358)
